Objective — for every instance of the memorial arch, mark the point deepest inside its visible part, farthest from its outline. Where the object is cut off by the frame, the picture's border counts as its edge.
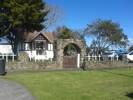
(70, 53)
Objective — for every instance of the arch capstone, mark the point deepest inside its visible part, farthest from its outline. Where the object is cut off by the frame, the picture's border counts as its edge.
(62, 43)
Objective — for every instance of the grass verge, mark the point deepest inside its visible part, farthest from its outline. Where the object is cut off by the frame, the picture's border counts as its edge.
(114, 84)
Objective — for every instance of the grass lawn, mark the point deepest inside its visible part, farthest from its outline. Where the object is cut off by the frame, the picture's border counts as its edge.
(77, 85)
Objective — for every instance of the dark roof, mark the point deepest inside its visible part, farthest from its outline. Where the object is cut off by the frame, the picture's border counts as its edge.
(31, 36)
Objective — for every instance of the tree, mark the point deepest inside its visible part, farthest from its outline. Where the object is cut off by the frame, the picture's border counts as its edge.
(106, 33)
(67, 33)
(19, 17)
(53, 16)
(64, 33)
(88, 49)
(130, 48)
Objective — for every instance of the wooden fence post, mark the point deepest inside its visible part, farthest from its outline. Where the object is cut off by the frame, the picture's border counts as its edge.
(99, 58)
(6, 58)
(89, 57)
(117, 57)
(2, 56)
(13, 57)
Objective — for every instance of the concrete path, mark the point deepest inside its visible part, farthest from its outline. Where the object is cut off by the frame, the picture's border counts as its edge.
(10, 90)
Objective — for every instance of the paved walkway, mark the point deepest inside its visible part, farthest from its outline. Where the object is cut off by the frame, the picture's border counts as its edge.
(10, 90)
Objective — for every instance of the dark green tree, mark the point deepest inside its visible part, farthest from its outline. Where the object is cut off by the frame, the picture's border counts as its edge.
(105, 33)
(19, 17)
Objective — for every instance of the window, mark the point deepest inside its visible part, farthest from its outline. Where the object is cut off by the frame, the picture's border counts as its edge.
(40, 47)
(50, 46)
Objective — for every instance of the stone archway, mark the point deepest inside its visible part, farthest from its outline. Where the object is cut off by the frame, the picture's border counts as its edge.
(62, 43)
(71, 56)
(71, 49)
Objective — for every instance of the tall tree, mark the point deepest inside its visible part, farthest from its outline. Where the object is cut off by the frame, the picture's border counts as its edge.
(53, 16)
(19, 17)
(106, 33)
(130, 48)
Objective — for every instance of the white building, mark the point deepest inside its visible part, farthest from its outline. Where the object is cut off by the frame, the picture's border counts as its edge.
(38, 46)
(5, 48)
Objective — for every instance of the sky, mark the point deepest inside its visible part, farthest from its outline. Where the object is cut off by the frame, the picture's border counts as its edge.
(78, 13)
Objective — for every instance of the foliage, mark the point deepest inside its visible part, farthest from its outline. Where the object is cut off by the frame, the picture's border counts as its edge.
(106, 33)
(77, 85)
(18, 17)
(130, 48)
(43, 64)
(53, 17)
(67, 33)
(64, 33)
(88, 49)
(71, 49)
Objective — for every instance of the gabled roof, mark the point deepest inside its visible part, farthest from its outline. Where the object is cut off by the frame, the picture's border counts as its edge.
(31, 36)
(49, 36)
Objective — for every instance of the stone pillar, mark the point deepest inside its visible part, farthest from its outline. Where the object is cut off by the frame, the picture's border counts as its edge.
(59, 54)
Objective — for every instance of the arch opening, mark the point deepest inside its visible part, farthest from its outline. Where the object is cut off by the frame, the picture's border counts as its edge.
(71, 49)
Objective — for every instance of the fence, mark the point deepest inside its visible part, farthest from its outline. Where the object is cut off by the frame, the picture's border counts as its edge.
(101, 58)
(8, 56)
(106, 62)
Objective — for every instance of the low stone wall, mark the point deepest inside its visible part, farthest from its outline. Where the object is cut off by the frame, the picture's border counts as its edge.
(107, 64)
(21, 66)
(23, 63)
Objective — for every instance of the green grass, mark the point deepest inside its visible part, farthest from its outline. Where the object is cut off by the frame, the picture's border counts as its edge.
(77, 85)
